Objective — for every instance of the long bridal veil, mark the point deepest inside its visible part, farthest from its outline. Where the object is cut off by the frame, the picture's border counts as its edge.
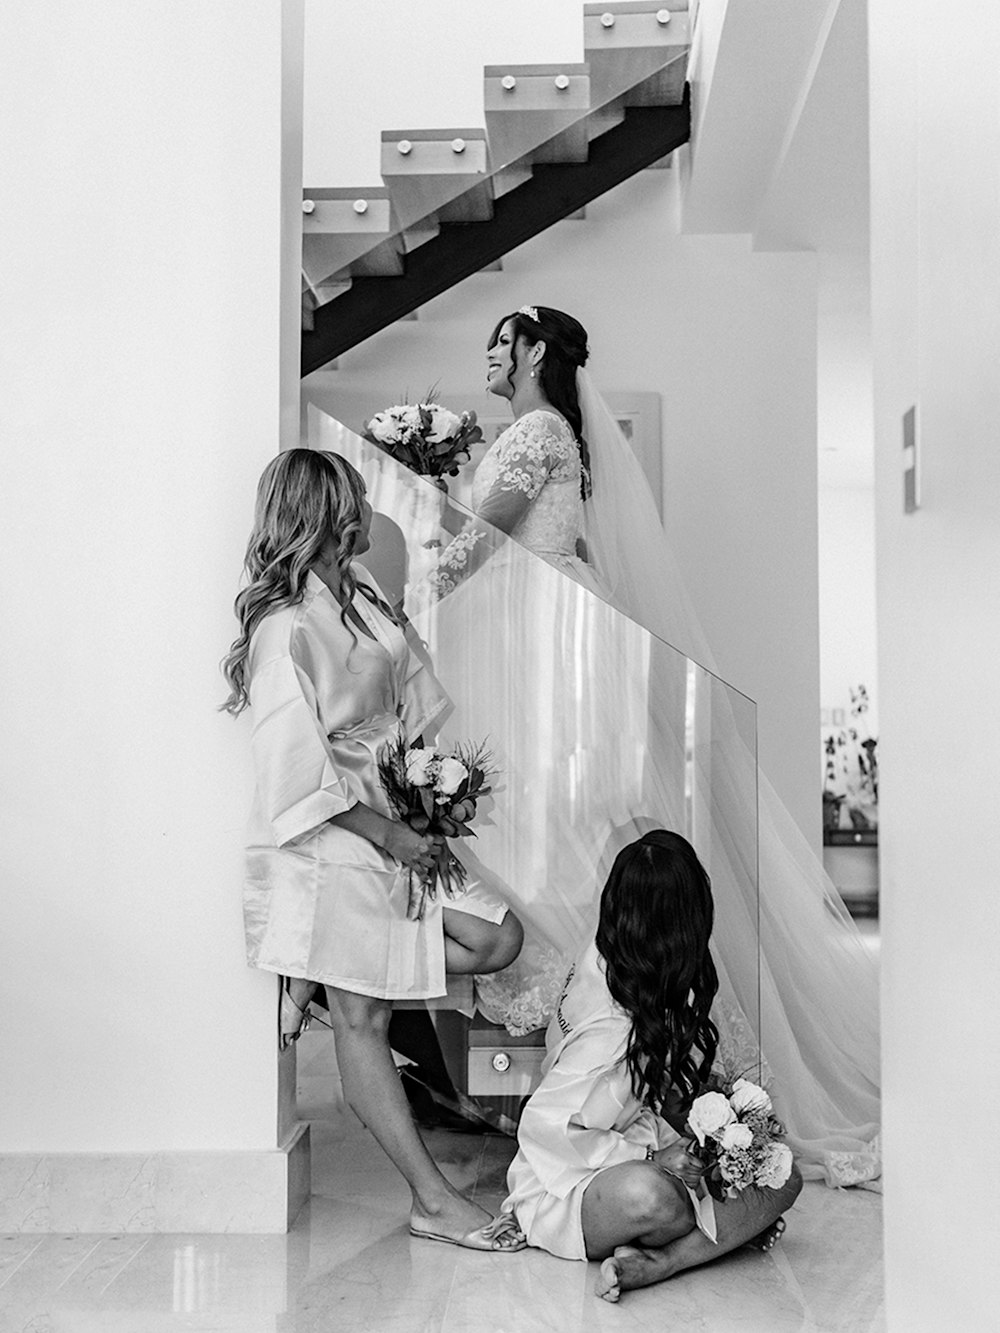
(818, 982)
(605, 719)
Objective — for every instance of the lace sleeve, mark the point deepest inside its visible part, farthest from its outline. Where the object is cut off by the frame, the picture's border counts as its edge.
(526, 459)
(460, 557)
(528, 452)
(527, 456)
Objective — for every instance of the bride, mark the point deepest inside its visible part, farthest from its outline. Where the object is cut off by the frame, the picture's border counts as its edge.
(603, 728)
(533, 482)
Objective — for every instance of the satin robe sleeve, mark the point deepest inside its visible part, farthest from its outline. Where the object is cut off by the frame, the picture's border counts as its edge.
(424, 705)
(298, 784)
(567, 1130)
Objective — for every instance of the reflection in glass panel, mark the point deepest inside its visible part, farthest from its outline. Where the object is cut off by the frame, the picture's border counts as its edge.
(599, 732)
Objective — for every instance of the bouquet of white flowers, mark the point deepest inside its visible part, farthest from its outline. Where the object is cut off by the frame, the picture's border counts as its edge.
(425, 437)
(736, 1133)
(435, 793)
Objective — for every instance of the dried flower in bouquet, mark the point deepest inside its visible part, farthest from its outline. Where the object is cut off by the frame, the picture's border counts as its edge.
(426, 437)
(435, 793)
(737, 1138)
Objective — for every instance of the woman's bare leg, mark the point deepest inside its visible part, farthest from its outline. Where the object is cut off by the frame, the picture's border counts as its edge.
(373, 1091)
(738, 1221)
(470, 945)
(634, 1203)
(474, 945)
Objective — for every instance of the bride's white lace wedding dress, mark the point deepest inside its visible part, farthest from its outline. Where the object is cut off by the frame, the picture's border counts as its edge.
(601, 730)
(595, 738)
(528, 484)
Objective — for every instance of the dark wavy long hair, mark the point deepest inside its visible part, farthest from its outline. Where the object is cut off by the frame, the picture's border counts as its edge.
(566, 349)
(655, 923)
(304, 496)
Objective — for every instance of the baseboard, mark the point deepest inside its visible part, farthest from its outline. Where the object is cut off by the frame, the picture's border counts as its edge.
(255, 1192)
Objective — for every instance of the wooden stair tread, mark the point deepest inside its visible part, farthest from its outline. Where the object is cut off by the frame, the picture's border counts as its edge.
(644, 136)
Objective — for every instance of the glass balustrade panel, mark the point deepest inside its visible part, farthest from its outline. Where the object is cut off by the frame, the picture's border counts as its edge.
(598, 730)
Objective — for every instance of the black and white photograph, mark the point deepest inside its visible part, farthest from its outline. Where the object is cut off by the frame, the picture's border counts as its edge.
(501, 569)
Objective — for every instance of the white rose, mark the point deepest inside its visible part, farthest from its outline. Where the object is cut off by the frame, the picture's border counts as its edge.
(747, 1096)
(451, 775)
(383, 427)
(419, 765)
(776, 1167)
(736, 1136)
(710, 1113)
(444, 424)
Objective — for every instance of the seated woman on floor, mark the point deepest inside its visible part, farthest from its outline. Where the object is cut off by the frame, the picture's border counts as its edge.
(602, 1170)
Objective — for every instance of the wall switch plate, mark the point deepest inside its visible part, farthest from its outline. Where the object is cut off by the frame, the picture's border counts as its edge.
(911, 477)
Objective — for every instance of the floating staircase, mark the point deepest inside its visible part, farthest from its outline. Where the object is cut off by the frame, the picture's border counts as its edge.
(454, 202)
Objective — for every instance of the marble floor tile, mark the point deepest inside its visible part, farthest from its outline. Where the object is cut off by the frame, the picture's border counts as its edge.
(349, 1264)
(15, 1251)
(25, 1184)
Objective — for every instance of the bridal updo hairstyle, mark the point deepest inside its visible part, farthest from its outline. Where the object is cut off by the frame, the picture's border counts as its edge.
(304, 496)
(566, 351)
(655, 922)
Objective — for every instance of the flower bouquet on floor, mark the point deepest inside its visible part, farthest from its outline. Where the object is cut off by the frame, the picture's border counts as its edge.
(426, 437)
(737, 1137)
(435, 793)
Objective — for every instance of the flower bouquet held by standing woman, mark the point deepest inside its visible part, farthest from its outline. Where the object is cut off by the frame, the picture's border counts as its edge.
(426, 437)
(436, 794)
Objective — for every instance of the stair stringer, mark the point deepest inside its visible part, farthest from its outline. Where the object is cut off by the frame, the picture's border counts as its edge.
(554, 191)
(637, 52)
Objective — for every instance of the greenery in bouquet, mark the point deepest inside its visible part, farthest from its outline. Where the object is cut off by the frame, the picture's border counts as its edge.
(426, 437)
(737, 1139)
(437, 794)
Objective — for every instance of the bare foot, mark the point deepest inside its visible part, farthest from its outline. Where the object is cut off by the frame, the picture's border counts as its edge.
(768, 1238)
(630, 1266)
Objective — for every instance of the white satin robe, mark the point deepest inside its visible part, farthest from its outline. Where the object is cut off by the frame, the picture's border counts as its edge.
(583, 1117)
(319, 901)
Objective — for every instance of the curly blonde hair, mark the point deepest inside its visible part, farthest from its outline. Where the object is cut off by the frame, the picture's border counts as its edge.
(304, 497)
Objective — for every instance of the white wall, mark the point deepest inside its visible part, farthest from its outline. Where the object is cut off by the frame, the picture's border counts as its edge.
(784, 155)
(750, 72)
(845, 430)
(848, 654)
(141, 356)
(728, 338)
(936, 272)
(413, 66)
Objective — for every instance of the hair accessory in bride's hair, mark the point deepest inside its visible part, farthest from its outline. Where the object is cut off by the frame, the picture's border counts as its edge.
(530, 310)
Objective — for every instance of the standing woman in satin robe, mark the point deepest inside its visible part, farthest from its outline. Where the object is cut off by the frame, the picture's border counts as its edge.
(329, 678)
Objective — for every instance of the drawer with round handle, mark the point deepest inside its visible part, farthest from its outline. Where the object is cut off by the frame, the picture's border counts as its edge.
(507, 1071)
